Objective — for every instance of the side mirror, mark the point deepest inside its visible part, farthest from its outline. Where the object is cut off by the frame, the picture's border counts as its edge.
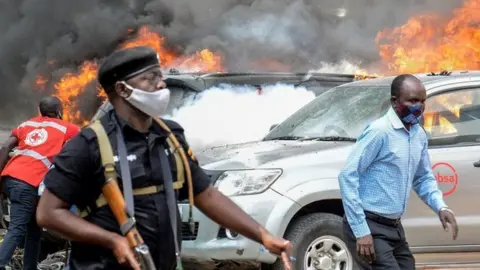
(273, 126)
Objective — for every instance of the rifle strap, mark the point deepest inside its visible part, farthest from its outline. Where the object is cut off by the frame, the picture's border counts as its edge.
(171, 200)
(125, 171)
(106, 154)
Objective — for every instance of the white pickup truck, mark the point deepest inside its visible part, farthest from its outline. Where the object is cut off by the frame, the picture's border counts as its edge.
(288, 181)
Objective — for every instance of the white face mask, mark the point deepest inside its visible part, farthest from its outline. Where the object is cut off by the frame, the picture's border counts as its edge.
(153, 104)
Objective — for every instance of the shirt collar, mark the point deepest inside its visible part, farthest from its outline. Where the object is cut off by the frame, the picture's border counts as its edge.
(154, 129)
(394, 120)
(397, 123)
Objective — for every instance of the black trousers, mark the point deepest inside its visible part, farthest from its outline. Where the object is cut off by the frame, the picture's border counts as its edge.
(391, 248)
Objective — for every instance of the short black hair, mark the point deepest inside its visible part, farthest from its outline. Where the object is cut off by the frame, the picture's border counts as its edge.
(125, 64)
(50, 106)
(397, 83)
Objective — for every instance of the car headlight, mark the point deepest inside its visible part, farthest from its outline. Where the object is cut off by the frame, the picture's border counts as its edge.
(246, 182)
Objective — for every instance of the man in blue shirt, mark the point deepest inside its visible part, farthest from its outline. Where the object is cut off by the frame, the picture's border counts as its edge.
(389, 158)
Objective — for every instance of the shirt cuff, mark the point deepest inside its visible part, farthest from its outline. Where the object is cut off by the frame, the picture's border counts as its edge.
(439, 207)
(360, 230)
(437, 203)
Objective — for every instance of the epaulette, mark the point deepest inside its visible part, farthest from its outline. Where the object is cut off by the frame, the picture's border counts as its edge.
(89, 134)
(173, 126)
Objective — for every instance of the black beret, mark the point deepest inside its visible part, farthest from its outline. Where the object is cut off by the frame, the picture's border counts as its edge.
(125, 64)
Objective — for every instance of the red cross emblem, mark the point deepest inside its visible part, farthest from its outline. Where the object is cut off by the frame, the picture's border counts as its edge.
(36, 137)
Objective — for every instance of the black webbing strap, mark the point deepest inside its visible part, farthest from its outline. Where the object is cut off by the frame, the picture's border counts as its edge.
(126, 181)
(171, 200)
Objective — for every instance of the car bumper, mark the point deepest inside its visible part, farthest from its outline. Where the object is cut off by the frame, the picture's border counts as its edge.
(211, 242)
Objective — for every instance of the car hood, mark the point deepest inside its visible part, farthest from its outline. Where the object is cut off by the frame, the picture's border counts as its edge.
(272, 154)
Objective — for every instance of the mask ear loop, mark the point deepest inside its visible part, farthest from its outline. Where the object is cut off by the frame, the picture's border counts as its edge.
(127, 86)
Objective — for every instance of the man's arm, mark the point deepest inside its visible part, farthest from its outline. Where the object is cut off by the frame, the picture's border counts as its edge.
(224, 211)
(11, 143)
(366, 149)
(67, 183)
(217, 206)
(54, 214)
(425, 184)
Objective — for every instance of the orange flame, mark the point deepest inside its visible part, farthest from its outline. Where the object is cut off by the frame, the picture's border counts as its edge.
(365, 75)
(430, 43)
(40, 82)
(71, 86)
(202, 61)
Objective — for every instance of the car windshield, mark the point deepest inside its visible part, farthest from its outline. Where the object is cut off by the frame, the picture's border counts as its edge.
(341, 113)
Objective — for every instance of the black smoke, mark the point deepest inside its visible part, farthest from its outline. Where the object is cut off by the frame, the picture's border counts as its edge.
(52, 37)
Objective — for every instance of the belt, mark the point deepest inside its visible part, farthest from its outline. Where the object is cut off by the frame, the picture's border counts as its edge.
(101, 201)
(382, 220)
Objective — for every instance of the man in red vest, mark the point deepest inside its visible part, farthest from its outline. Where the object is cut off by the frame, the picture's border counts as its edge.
(37, 140)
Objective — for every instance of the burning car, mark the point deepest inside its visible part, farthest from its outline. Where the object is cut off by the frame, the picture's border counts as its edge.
(288, 181)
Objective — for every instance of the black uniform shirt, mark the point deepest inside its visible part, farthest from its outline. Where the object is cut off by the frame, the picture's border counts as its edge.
(77, 178)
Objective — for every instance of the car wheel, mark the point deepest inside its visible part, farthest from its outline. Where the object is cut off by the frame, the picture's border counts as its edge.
(318, 244)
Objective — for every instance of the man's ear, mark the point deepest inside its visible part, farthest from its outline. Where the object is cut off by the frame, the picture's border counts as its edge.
(393, 101)
(121, 90)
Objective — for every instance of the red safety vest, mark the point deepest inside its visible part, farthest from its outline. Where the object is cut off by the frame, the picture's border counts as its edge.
(39, 140)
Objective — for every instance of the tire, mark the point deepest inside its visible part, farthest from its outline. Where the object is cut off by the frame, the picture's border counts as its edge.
(313, 232)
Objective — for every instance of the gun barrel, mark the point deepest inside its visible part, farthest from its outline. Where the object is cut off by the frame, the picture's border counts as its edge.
(144, 257)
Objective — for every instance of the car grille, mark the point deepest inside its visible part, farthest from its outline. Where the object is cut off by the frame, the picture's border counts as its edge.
(187, 234)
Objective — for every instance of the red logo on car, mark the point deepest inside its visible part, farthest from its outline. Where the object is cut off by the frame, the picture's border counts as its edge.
(447, 176)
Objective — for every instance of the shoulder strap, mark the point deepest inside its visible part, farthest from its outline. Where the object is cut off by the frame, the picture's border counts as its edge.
(180, 179)
(106, 152)
(177, 148)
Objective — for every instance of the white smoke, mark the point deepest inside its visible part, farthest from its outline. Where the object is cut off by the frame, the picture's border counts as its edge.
(342, 67)
(231, 114)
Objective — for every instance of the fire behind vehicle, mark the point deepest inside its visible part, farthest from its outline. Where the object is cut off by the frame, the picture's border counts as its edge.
(187, 86)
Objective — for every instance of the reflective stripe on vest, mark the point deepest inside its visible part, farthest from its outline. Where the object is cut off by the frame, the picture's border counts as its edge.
(35, 155)
(44, 124)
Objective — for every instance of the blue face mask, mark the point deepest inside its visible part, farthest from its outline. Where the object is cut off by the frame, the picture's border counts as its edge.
(410, 114)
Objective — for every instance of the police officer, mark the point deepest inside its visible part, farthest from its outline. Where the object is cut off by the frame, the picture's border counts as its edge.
(134, 85)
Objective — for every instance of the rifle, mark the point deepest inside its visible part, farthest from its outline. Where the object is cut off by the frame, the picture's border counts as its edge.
(114, 197)
(115, 200)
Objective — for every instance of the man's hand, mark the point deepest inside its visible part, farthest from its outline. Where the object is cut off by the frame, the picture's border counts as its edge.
(365, 249)
(448, 217)
(124, 254)
(280, 247)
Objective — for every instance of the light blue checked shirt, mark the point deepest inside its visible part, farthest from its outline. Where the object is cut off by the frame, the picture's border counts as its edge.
(386, 162)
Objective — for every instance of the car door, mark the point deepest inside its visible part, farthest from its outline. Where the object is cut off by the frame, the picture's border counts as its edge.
(452, 122)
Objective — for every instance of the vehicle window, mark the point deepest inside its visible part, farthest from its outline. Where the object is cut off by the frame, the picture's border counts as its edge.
(319, 87)
(341, 111)
(453, 118)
